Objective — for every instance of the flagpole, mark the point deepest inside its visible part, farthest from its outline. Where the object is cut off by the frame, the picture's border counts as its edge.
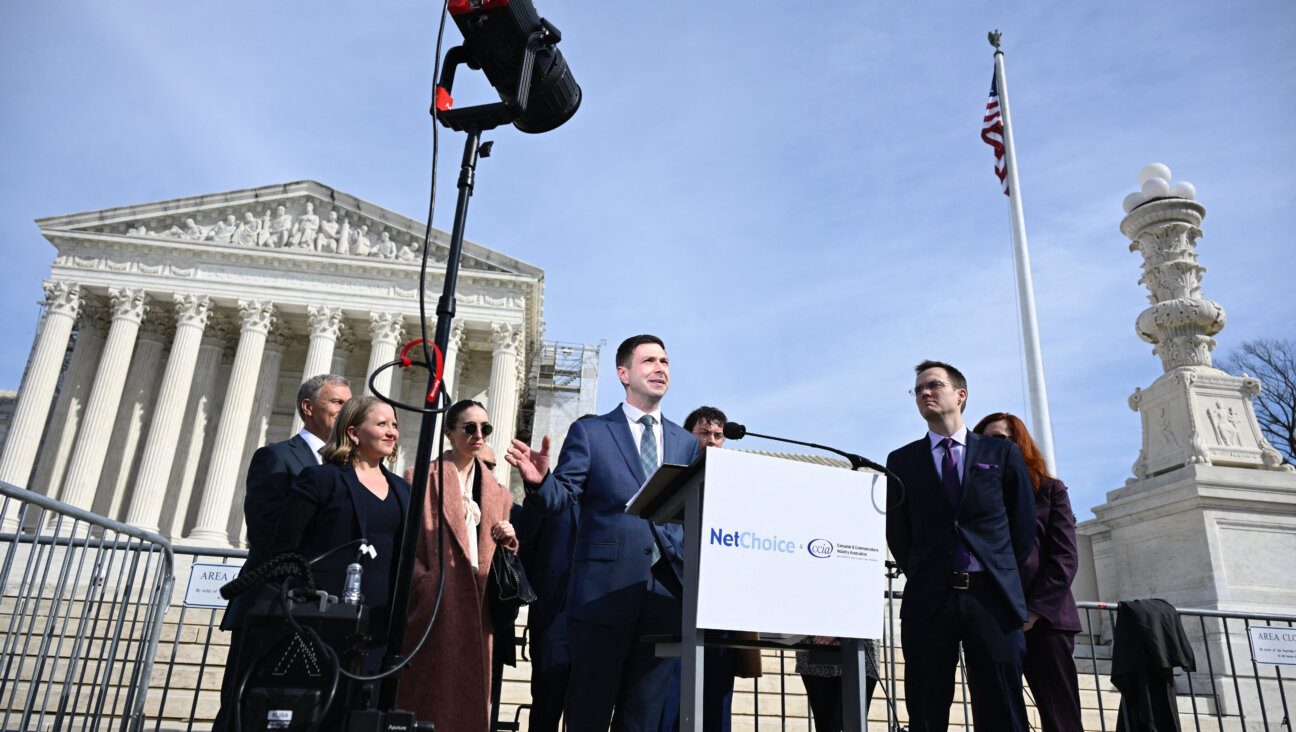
(1041, 422)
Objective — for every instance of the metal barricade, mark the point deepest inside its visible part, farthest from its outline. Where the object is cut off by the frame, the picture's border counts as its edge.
(81, 605)
(191, 659)
(1228, 690)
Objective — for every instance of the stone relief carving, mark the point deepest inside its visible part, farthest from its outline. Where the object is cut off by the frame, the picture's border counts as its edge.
(506, 337)
(280, 228)
(128, 303)
(386, 327)
(306, 229)
(327, 240)
(62, 297)
(257, 315)
(325, 321)
(1226, 424)
(159, 326)
(299, 226)
(192, 309)
(248, 233)
(279, 337)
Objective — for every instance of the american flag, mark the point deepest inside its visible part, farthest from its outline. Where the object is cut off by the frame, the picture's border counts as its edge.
(992, 133)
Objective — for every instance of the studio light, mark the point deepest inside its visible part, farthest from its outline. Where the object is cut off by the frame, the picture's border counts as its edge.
(515, 47)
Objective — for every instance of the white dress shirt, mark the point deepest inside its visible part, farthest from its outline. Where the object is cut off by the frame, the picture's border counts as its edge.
(316, 444)
(636, 428)
(938, 452)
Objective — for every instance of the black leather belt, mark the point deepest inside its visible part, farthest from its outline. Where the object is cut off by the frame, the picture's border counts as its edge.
(964, 580)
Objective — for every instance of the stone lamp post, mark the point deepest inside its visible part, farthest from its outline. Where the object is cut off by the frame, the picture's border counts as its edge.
(1209, 518)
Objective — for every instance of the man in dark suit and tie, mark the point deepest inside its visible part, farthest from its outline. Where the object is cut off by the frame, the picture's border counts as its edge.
(959, 527)
(270, 474)
(625, 569)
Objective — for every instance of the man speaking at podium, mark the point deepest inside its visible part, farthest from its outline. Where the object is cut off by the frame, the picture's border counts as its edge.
(626, 571)
(959, 528)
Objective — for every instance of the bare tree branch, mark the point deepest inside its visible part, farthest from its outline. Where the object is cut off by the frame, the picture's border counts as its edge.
(1273, 362)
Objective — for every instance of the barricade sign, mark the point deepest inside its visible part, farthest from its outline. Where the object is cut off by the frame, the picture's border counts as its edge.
(205, 581)
(1273, 645)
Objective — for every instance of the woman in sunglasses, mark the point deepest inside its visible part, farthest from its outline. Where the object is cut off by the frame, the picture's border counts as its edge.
(1053, 619)
(449, 680)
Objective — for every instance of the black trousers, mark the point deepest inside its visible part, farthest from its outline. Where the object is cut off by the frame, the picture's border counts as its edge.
(993, 647)
(550, 668)
(1051, 672)
(825, 696)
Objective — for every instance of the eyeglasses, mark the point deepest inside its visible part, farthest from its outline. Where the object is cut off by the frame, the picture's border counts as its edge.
(933, 386)
(470, 428)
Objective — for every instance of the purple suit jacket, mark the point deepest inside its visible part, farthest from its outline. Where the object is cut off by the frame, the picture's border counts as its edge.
(1051, 567)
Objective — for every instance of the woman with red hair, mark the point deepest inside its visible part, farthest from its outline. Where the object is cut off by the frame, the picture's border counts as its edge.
(1046, 577)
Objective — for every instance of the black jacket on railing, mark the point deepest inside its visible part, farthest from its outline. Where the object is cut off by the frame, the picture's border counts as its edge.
(1149, 643)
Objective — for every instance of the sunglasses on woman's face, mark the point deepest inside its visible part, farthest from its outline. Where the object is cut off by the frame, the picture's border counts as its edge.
(470, 428)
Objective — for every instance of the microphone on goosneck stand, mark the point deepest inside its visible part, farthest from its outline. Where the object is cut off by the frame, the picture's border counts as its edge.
(735, 431)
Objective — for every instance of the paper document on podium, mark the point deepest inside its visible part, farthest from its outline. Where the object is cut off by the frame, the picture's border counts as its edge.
(645, 500)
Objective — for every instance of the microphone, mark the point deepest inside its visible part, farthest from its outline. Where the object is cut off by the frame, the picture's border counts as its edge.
(735, 431)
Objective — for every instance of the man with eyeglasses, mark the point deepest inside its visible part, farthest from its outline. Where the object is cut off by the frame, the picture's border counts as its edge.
(626, 571)
(959, 527)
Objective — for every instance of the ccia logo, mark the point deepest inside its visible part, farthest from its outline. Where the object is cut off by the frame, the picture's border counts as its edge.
(820, 548)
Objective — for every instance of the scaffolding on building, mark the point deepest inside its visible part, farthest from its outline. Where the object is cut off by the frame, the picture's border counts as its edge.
(561, 386)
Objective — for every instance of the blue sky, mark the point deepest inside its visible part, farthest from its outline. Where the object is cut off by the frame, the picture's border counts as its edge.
(793, 195)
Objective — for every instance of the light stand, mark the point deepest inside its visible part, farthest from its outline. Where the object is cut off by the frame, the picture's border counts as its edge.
(474, 121)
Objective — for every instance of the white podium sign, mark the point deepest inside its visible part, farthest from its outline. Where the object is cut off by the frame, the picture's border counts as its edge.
(791, 547)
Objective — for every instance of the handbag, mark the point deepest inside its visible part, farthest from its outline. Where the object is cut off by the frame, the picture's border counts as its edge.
(508, 581)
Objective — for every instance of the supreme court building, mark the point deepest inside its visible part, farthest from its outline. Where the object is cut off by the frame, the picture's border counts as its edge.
(175, 335)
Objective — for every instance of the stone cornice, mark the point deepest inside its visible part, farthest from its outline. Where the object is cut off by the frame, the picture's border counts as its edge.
(154, 247)
(166, 221)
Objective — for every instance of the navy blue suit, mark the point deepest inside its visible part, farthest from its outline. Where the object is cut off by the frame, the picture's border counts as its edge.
(545, 550)
(271, 473)
(326, 508)
(996, 519)
(615, 594)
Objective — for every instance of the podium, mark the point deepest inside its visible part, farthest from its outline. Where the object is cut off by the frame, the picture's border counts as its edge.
(777, 546)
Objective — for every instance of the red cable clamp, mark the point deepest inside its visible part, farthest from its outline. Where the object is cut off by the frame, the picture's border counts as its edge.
(406, 362)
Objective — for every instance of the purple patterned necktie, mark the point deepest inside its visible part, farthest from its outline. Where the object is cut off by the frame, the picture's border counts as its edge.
(954, 489)
(949, 474)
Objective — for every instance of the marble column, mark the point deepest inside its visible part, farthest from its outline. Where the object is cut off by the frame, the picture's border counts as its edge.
(232, 432)
(502, 396)
(92, 328)
(263, 403)
(133, 414)
(342, 353)
(62, 299)
(86, 464)
(450, 370)
(199, 422)
(450, 373)
(325, 327)
(386, 330)
(169, 412)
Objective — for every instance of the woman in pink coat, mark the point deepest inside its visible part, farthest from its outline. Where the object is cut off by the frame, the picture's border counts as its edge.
(449, 680)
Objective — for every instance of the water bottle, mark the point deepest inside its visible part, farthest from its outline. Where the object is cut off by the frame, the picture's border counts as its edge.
(351, 591)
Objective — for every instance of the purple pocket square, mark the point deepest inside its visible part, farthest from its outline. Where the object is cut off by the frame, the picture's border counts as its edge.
(986, 466)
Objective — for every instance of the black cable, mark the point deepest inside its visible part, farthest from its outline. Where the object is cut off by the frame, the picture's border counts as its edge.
(436, 145)
(284, 565)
